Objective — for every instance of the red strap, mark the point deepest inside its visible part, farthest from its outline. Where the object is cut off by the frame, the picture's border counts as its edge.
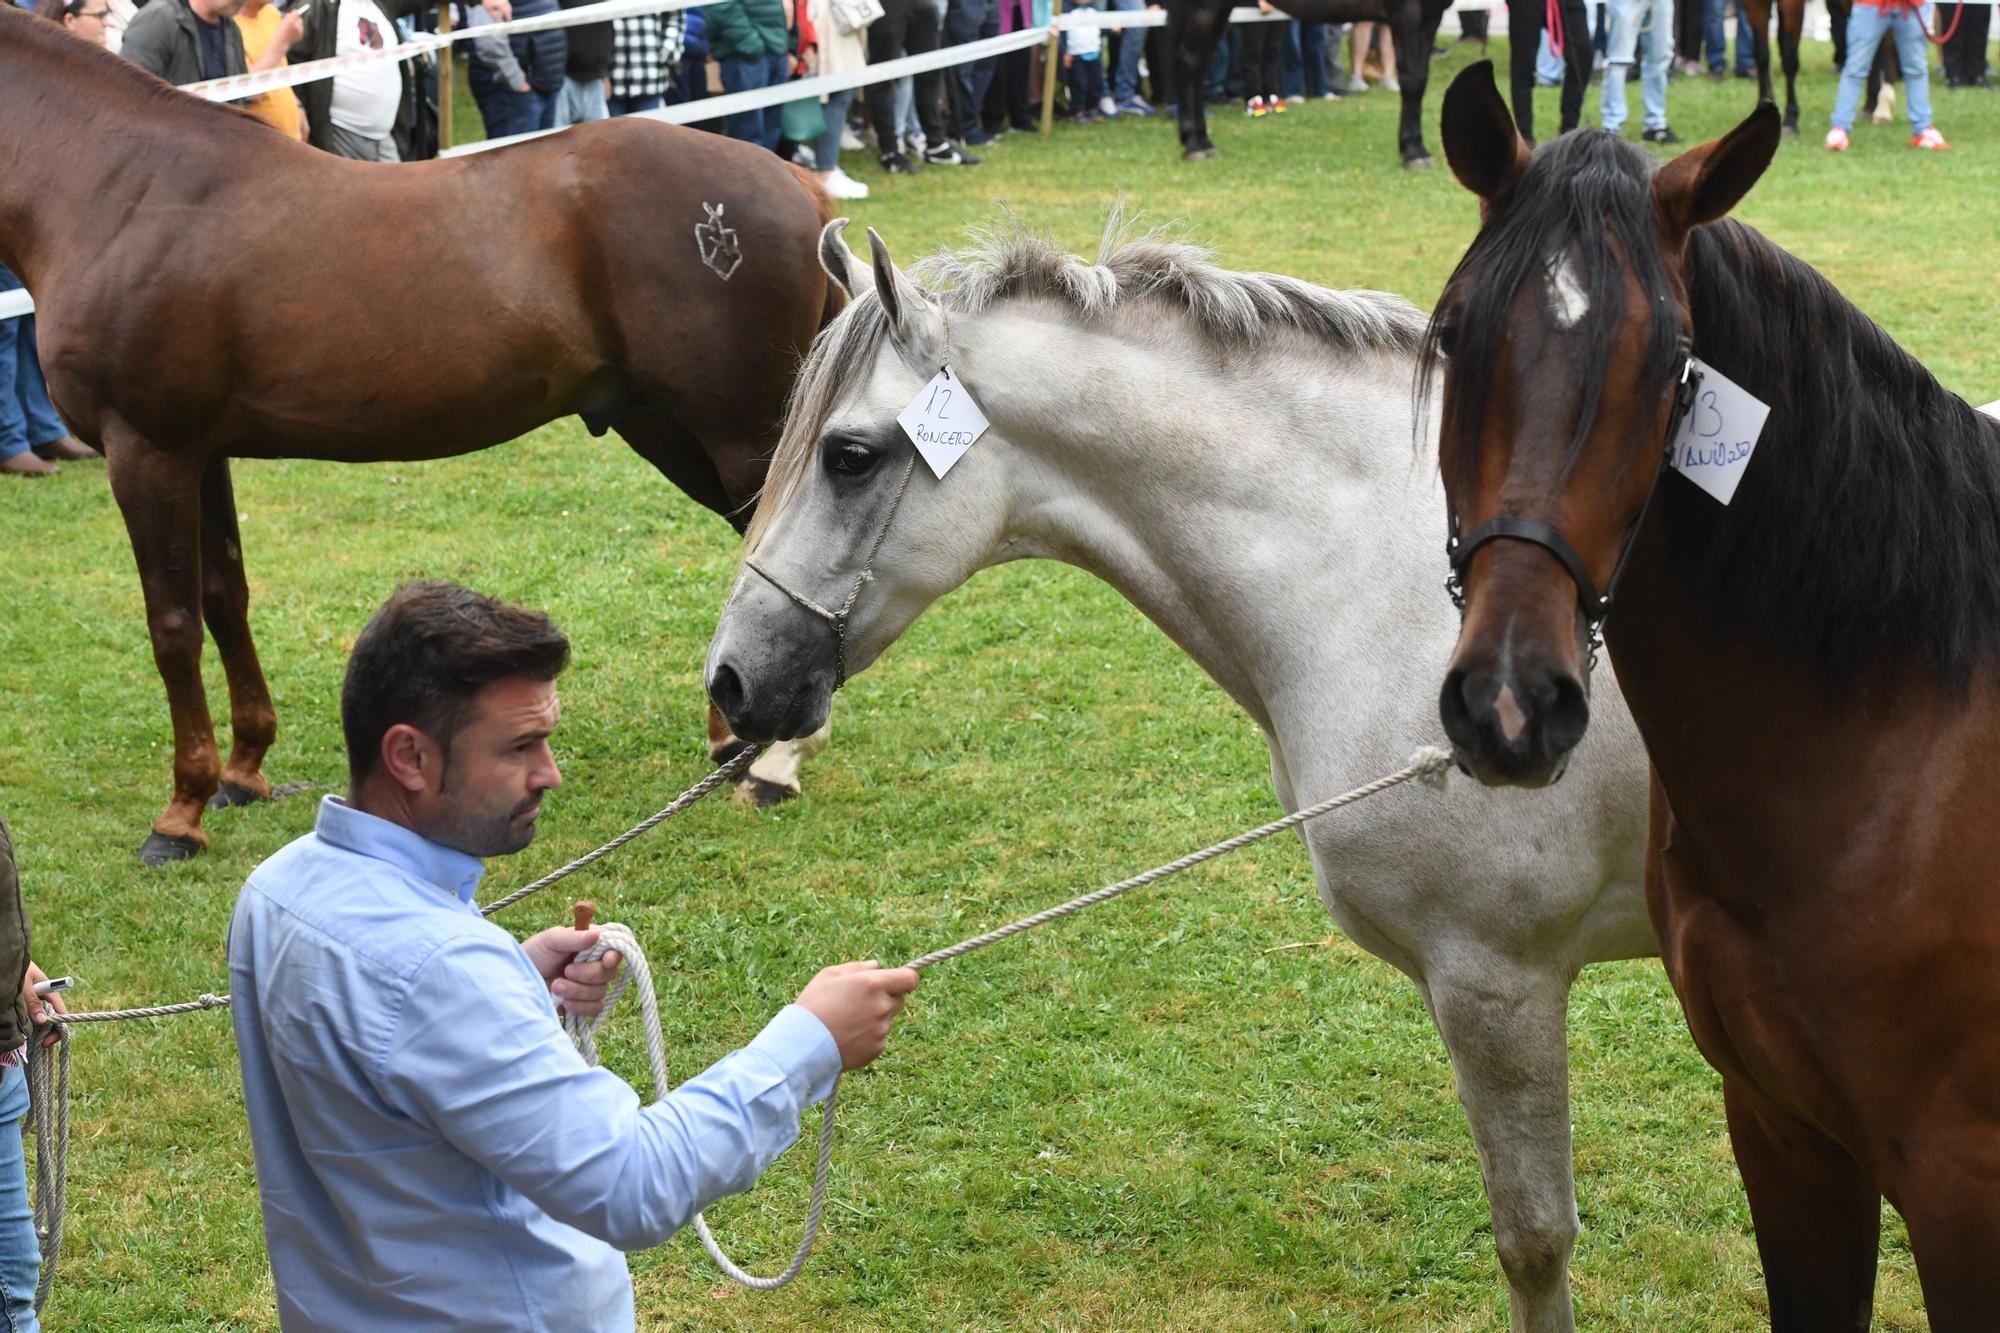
(1552, 18)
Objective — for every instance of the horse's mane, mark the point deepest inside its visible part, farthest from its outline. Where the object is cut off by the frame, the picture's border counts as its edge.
(1233, 311)
(38, 42)
(1866, 530)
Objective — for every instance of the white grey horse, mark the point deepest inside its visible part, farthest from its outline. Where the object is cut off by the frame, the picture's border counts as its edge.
(1231, 451)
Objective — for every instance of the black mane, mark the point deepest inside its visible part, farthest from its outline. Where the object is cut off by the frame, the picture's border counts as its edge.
(1866, 530)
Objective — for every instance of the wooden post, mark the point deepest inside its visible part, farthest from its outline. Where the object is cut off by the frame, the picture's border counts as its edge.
(1051, 67)
(444, 77)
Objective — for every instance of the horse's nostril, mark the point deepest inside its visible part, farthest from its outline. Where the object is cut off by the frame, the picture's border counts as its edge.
(725, 687)
(1455, 712)
(1567, 716)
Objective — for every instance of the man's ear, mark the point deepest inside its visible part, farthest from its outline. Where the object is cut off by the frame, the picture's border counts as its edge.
(916, 324)
(850, 274)
(1703, 184)
(411, 759)
(1484, 149)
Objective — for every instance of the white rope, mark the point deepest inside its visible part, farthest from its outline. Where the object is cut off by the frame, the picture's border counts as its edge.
(48, 1110)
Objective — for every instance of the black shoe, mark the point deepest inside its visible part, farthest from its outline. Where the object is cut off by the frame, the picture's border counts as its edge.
(1664, 134)
(1716, 76)
(1746, 73)
(897, 164)
(945, 155)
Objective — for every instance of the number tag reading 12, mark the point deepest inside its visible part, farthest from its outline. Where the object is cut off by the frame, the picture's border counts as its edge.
(1712, 446)
(943, 421)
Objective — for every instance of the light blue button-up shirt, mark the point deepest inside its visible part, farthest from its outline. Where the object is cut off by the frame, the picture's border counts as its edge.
(432, 1153)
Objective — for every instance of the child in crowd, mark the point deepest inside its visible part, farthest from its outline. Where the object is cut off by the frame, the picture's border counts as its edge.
(1082, 51)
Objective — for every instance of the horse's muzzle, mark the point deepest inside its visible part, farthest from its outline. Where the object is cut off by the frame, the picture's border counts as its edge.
(1515, 726)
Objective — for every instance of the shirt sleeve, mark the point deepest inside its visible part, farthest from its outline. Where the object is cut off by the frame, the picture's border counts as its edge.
(496, 53)
(478, 1056)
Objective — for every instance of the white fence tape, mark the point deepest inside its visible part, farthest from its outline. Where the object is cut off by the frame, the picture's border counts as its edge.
(15, 304)
(235, 86)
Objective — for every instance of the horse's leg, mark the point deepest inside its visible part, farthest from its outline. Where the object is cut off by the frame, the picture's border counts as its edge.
(1414, 25)
(160, 496)
(1760, 44)
(225, 604)
(1192, 29)
(1953, 1212)
(1818, 1219)
(774, 774)
(1505, 1028)
(1791, 22)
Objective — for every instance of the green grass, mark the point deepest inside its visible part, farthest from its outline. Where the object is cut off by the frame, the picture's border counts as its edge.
(1150, 1118)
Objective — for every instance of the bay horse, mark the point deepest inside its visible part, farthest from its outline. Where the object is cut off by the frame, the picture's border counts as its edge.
(1194, 27)
(1231, 452)
(1791, 24)
(1812, 665)
(209, 289)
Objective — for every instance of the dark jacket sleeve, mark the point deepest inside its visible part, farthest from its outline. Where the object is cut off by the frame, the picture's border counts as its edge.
(150, 38)
(730, 31)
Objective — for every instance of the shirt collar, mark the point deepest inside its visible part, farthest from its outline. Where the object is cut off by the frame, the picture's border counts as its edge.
(406, 849)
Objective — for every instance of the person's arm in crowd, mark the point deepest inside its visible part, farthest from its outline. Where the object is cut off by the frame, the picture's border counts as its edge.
(673, 38)
(290, 28)
(496, 53)
(149, 41)
(478, 1061)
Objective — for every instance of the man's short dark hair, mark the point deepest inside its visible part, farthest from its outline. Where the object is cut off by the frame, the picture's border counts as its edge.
(425, 656)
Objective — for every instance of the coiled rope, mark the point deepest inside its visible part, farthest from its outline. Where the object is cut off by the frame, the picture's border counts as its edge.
(50, 1095)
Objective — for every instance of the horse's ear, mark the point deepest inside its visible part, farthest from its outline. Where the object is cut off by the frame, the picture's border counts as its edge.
(1485, 151)
(839, 261)
(915, 325)
(1704, 183)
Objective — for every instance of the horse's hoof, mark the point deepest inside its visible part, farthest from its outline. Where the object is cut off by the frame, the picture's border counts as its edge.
(1790, 131)
(1199, 154)
(229, 794)
(1424, 163)
(762, 794)
(159, 849)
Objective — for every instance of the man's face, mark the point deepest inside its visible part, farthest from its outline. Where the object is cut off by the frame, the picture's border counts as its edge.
(496, 771)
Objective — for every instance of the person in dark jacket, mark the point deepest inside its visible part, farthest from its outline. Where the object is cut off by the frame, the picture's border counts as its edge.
(187, 41)
(752, 42)
(341, 111)
(517, 78)
(20, 1011)
(587, 75)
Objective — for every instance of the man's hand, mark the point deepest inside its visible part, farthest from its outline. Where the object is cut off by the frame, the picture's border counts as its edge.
(501, 10)
(579, 986)
(858, 1002)
(39, 1005)
(290, 28)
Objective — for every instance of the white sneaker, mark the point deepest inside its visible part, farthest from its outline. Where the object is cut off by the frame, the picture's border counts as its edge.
(1389, 84)
(839, 185)
(1107, 107)
(1356, 85)
(850, 142)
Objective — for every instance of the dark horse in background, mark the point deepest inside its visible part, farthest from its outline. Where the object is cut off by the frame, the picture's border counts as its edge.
(1791, 23)
(1814, 667)
(209, 289)
(1194, 27)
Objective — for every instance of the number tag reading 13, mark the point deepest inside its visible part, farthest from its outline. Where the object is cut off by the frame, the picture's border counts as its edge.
(943, 421)
(1712, 447)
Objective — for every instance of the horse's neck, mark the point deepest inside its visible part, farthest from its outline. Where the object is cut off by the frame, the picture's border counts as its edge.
(1275, 520)
(80, 147)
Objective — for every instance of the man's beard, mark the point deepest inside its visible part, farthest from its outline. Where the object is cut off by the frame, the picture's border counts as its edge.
(482, 833)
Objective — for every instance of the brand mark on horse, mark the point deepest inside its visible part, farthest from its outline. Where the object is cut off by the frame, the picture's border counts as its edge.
(720, 249)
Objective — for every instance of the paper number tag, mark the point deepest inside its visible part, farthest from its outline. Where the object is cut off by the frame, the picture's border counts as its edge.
(1712, 447)
(943, 421)
(1992, 409)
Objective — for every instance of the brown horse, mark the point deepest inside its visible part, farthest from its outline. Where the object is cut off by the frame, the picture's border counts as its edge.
(209, 289)
(1791, 23)
(1812, 665)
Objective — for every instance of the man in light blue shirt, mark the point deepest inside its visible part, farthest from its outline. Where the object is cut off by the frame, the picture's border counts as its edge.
(432, 1152)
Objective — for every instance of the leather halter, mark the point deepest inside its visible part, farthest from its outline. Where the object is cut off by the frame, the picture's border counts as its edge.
(1594, 605)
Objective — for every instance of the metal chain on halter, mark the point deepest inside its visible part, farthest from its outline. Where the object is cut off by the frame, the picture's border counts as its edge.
(1430, 763)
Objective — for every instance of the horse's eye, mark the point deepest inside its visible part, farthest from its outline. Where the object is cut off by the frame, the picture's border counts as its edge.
(850, 460)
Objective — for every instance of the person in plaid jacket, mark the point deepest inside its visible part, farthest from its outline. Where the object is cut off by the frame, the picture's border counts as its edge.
(645, 53)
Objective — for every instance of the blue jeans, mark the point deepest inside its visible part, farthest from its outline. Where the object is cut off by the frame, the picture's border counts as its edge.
(1866, 26)
(1312, 57)
(1712, 37)
(581, 100)
(20, 1260)
(1548, 65)
(508, 112)
(27, 417)
(826, 151)
(1131, 45)
(1644, 28)
(625, 106)
(741, 74)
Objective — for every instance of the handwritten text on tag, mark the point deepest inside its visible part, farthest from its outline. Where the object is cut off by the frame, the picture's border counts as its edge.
(1712, 447)
(943, 421)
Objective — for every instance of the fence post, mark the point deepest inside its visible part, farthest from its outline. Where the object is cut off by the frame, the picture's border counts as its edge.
(1051, 66)
(444, 77)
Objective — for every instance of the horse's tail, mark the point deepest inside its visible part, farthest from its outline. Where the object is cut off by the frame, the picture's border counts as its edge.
(823, 205)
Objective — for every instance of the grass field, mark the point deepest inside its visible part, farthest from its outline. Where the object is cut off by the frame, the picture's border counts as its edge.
(1157, 1117)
